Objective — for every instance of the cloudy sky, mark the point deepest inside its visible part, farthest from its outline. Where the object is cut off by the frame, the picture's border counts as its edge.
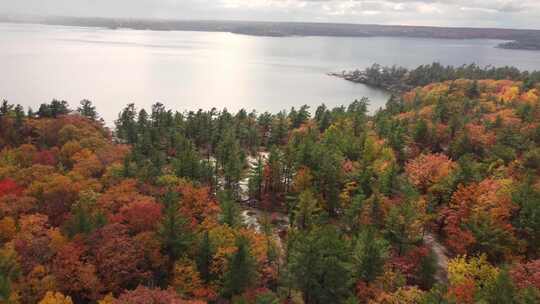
(482, 13)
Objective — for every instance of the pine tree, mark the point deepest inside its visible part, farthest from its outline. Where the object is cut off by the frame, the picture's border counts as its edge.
(187, 162)
(230, 158)
(472, 90)
(353, 212)
(204, 257)
(173, 231)
(230, 213)
(319, 263)
(305, 213)
(9, 272)
(255, 183)
(87, 109)
(19, 116)
(421, 132)
(502, 291)
(369, 255)
(84, 218)
(528, 217)
(126, 127)
(401, 226)
(388, 180)
(298, 118)
(279, 129)
(241, 270)
(426, 271)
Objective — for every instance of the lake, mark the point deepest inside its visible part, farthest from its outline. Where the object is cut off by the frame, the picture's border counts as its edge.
(192, 70)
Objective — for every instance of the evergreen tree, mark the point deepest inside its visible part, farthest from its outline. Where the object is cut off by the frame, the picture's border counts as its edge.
(204, 257)
(126, 126)
(461, 146)
(19, 116)
(59, 107)
(230, 213)
(54, 109)
(319, 264)
(401, 226)
(5, 108)
(231, 160)
(370, 254)
(328, 178)
(173, 230)
(353, 212)
(436, 295)
(421, 132)
(87, 109)
(528, 216)
(256, 177)
(472, 90)
(300, 117)
(187, 162)
(441, 111)
(388, 180)
(84, 218)
(502, 291)
(9, 272)
(306, 211)
(241, 270)
(426, 271)
(279, 129)
(358, 109)
(30, 113)
(322, 117)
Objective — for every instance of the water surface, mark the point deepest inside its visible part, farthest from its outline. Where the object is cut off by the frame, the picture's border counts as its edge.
(192, 70)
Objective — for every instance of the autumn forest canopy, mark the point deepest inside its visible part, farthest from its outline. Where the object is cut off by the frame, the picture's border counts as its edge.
(433, 199)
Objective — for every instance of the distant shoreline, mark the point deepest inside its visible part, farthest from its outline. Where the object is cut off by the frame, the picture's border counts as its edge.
(515, 39)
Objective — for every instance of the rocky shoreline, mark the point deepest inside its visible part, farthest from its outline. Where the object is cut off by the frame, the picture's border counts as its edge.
(361, 77)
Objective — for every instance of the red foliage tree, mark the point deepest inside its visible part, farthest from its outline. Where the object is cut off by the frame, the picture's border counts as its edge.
(119, 196)
(141, 215)
(145, 295)
(526, 275)
(119, 259)
(74, 276)
(428, 169)
(485, 205)
(197, 205)
(8, 186)
(408, 263)
(46, 158)
(32, 242)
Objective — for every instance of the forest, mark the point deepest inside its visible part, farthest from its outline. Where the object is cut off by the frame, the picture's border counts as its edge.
(433, 199)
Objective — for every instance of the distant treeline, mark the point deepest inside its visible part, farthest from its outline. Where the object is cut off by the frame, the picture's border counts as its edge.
(399, 79)
(519, 38)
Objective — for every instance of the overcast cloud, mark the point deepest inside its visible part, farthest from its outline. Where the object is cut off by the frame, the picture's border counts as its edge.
(484, 13)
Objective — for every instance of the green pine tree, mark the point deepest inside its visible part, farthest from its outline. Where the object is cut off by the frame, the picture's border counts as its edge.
(204, 257)
(173, 230)
(241, 270)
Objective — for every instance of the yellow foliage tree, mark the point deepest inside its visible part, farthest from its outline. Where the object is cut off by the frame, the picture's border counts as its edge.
(404, 295)
(55, 298)
(186, 280)
(108, 299)
(7, 229)
(477, 269)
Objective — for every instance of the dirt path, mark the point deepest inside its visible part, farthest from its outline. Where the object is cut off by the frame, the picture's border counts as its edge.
(442, 257)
